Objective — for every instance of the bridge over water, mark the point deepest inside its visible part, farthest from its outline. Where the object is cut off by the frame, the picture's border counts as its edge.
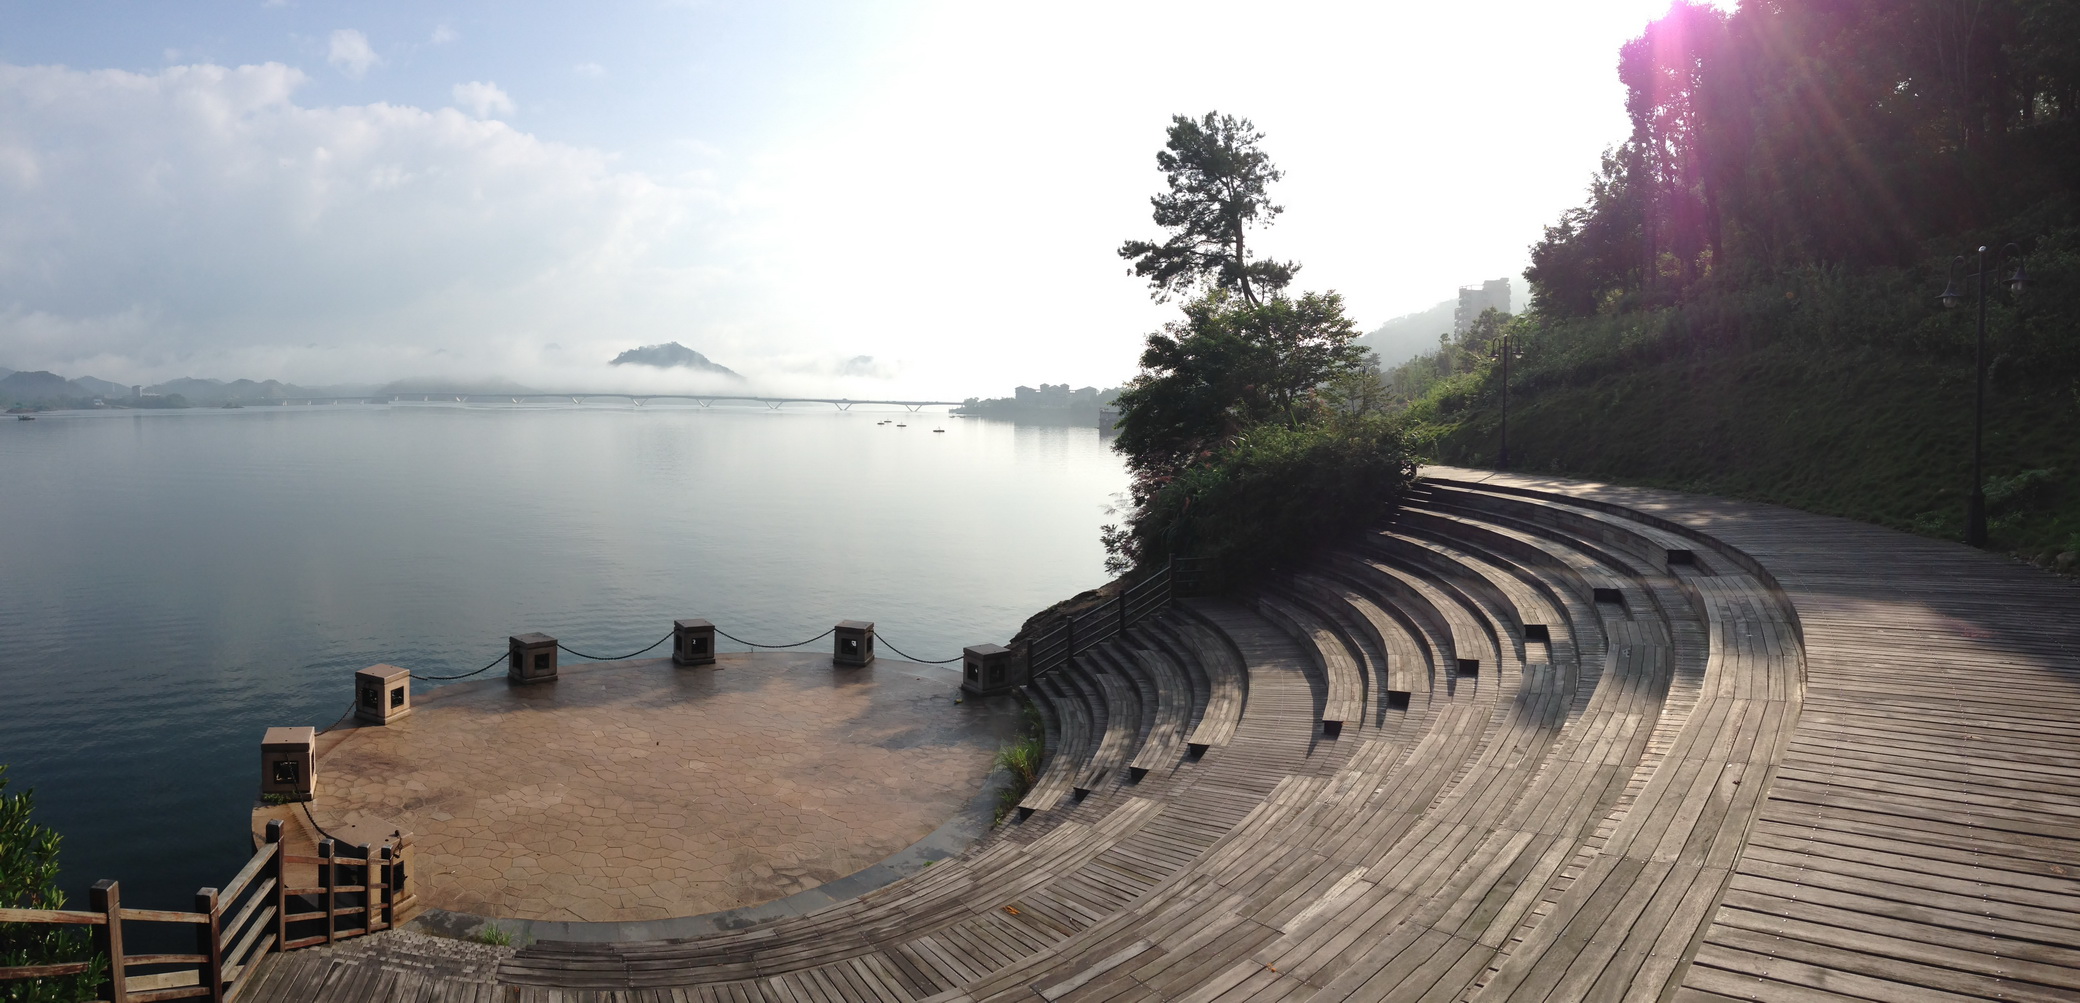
(703, 400)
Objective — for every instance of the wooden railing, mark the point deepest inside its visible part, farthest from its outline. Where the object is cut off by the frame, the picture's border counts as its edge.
(1053, 648)
(259, 911)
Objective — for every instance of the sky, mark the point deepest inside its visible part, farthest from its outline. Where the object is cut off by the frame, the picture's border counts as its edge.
(870, 199)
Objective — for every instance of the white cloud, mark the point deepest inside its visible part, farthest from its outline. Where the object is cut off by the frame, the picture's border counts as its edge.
(444, 33)
(589, 70)
(199, 220)
(350, 53)
(483, 98)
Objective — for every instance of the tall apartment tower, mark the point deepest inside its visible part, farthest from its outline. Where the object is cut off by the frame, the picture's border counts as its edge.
(1492, 293)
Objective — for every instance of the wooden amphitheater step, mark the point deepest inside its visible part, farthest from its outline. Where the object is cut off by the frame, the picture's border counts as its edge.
(1066, 760)
(1227, 683)
(1343, 680)
(1173, 699)
(1407, 661)
(1122, 715)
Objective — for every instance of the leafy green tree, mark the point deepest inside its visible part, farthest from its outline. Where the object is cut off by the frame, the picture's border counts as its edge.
(1219, 186)
(1228, 367)
(29, 880)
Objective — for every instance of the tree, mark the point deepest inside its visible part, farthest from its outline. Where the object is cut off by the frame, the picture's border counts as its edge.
(1218, 188)
(29, 880)
(1228, 367)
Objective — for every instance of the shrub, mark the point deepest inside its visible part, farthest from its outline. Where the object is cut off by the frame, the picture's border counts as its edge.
(29, 880)
(1273, 495)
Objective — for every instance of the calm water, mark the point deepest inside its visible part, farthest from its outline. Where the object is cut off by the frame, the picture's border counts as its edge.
(176, 582)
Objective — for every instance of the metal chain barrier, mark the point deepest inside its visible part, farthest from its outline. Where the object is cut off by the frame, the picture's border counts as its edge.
(882, 641)
(342, 718)
(632, 654)
(796, 644)
(465, 675)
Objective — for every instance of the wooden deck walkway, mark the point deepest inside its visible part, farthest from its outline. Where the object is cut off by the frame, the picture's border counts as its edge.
(1652, 746)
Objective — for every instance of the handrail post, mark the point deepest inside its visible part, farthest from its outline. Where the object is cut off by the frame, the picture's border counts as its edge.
(389, 899)
(399, 879)
(279, 868)
(368, 889)
(106, 898)
(206, 934)
(326, 872)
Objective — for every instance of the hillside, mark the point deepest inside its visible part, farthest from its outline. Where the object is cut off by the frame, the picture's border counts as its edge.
(1698, 323)
(1409, 335)
(672, 355)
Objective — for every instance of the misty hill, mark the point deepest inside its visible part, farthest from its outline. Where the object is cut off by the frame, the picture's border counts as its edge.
(102, 388)
(5, 372)
(1410, 335)
(672, 355)
(202, 391)
(32, 387)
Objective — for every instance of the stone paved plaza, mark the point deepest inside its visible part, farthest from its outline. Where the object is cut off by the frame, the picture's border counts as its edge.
(639, 790)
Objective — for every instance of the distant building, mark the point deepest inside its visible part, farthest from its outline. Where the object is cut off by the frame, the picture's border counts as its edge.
(1493, 293)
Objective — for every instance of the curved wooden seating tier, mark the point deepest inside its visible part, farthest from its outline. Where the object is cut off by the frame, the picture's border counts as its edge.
(1343, 680)
(1227, 685)
(1069, 749)
(1405, 660)
(1173, 695)
(1631, 792)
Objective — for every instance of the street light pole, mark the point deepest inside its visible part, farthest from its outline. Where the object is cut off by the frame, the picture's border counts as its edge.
(1502, 455)
(1504, 349)
(1975, 506)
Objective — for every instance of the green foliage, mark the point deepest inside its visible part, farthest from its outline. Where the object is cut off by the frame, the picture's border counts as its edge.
(1228, 367)
(495, 935)
(1798, 134)
(1219, 186)
(1835, 390)
(1275, 495)
(1021, 759)
(29, 880)
(1254, 430)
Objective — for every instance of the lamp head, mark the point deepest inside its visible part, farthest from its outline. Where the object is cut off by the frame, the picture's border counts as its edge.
(2018, 281)
(1950, 296)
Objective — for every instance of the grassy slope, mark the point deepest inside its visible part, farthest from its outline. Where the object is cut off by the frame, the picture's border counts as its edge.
(1881, 437)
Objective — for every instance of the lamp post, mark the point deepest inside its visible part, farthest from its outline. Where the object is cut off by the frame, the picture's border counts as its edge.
(1505, 350)
(1975, 507)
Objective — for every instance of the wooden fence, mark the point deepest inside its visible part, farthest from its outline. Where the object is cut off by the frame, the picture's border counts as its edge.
(1054, 648)
(259, 911)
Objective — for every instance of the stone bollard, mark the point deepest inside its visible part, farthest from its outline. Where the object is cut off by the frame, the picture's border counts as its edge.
(382, 694)
(531, 658)
(289, 763)
(693, 642)
(990, 668)
(852, 643)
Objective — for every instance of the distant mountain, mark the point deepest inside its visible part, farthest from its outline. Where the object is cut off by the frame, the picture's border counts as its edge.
(39, 386)
(102, 388)
(1410, 335)
(5, 372)
(672, 355)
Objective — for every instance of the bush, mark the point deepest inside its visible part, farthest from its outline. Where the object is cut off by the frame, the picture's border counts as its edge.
(29, 880)
(1022, 760)
(1274, 495)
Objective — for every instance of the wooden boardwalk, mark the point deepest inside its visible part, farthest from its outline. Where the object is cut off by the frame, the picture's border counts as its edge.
(1537, 740)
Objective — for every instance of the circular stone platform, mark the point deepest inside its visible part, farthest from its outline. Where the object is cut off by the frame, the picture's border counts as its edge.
(638, 790)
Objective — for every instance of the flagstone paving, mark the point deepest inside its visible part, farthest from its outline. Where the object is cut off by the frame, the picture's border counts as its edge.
(639, 790)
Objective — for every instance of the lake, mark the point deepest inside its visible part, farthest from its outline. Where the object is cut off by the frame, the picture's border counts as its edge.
(175, 582)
